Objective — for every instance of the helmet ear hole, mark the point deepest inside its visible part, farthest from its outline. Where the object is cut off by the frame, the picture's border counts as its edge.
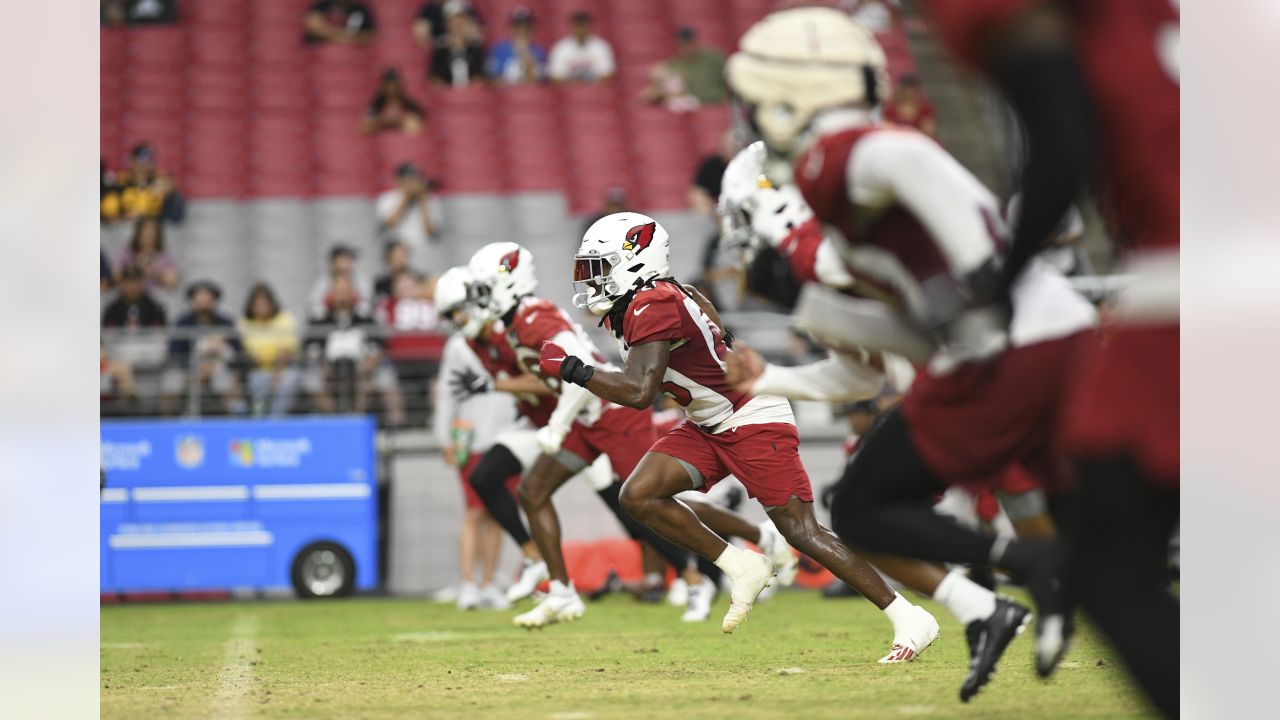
(871, 86)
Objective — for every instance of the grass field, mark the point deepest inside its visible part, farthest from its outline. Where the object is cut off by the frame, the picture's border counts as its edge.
(796, 656)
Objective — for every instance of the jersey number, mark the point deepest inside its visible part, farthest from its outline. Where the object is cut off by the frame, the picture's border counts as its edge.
(677, 393)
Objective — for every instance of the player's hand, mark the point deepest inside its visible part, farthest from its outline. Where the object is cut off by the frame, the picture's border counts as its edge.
(467, 382)
(551, 358)
(549, 439)
(743, 366)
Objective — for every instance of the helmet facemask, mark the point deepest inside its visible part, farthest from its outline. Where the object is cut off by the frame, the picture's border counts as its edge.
(595, 289)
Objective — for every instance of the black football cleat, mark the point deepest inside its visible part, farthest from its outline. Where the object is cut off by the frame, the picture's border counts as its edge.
(988, 639)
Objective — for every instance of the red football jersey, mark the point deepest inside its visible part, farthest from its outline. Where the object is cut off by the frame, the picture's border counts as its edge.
(695, 375)
(535, 322)
(500, 362)
(1128, 52)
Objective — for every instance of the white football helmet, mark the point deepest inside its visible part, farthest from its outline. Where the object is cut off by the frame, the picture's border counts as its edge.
(753, 211)
(795, 63)
(619, 253)
(451, 296)
(501, 274)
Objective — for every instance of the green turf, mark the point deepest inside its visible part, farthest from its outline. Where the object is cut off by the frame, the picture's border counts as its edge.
(796, 656)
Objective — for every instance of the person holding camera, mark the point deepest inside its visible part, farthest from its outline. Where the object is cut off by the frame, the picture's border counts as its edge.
(410, 211)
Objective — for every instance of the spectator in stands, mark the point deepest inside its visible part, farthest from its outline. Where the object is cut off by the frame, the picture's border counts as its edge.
(430, 25)
(115, 380)
(407, 314)
(342, 264)
(133, 308)
(582, 56)
(146, 250)
(519, 59)
(700, 68)
(203, 349)
(396, 256)
(270, 339)
(458, 57)
(411, 213)
(141, 191)
(667, 87)
(344, 352)
(338, 21)
(113, 13)
(391, 108)
(908, 106)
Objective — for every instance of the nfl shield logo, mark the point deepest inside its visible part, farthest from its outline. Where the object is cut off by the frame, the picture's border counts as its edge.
(189, 451)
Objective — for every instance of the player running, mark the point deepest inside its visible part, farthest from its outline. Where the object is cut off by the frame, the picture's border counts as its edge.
(572, 432)
(672, 342)
(1097, 89)
(919, 233)
(515, 449)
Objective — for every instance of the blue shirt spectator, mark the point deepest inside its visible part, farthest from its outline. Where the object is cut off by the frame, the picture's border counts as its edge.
(518, 59)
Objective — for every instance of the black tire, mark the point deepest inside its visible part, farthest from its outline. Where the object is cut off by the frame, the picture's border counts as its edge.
(323, 569)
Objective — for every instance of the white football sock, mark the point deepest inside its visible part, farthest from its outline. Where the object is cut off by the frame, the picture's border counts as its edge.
(559, 588)
(653, 579)
(899, 610)
(964, 598)
(733, 561)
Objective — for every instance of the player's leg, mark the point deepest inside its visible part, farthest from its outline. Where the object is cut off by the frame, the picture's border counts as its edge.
(765, 535)
(490, 548)
(469, 594)
(1119, 571)
(489, 480)
(547, 475)
(648, 496)
(884, 503)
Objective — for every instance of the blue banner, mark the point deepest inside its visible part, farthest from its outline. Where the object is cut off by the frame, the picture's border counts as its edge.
(216, 504)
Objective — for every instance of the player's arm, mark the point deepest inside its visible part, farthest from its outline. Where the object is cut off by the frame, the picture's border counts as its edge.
(574, 398)
(840, 378)
(524, 384)
(634, 386)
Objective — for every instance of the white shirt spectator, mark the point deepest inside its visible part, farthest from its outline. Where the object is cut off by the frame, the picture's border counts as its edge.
(424, 249)
(587, 61)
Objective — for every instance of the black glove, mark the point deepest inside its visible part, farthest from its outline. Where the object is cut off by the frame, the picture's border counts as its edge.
(573, 370)
(467, 382)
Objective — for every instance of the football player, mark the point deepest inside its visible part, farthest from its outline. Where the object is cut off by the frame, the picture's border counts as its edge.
(915, 230)
(515, 450)
(1096, 87)
(672, 342)
(572, 431)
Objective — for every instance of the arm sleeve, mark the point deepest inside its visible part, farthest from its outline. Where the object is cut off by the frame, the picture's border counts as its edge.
(606, 59)
(573, 398)
(907, 168)
(839, 378)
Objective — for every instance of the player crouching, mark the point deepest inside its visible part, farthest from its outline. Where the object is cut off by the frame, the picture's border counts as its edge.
(672, 341)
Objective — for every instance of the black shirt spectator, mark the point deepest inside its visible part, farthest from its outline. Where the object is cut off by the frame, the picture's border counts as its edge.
(134, 308)
(396, 256)
(338, 21)
(459, 59)
(428, 26)
(391, 108)
(199, 322)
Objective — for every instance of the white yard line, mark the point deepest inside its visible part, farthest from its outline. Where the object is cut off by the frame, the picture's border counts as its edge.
(236, 679)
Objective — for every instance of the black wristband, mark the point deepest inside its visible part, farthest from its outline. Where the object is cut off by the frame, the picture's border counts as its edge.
(573, 370)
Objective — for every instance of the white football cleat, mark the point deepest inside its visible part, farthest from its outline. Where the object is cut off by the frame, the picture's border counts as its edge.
(678, 593)
(698, 609)
(491, 598)
(746, 588)
(554, 608)
(531, 573)
(910, 640)
(775, 546)
(468, 597)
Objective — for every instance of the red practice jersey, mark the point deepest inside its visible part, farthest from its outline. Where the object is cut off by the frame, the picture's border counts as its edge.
(695, 375)
(500, 362)
(1129, 54)
(535, 322)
